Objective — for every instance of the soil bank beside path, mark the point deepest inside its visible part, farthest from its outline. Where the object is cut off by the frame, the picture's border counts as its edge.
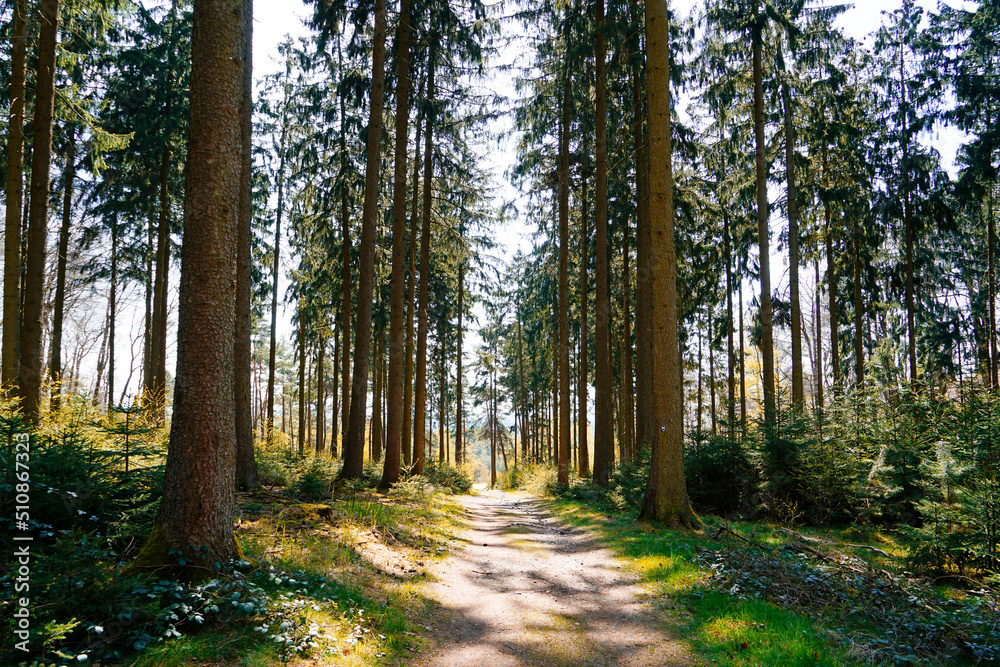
(528, 590)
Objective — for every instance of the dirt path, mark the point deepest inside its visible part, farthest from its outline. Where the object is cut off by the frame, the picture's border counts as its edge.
(528, 590)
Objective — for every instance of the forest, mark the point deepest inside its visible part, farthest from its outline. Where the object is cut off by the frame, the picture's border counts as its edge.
(262, 335)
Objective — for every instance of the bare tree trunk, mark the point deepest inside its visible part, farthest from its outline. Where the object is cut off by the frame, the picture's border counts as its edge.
(246, 463)
(643, 354)
(397, 279)
(345, 262)
(602, 355)
(30, 381)
(582, 360)
(459, 432)
(335, 395)
(272, 358)
(859, 349)
(14, 194)
(55, 363)
(354, 443)
(666, 495)
(320, 398)
(423, 306)
(563, 349)
(302, 380)
(196, 511)
(409, 423)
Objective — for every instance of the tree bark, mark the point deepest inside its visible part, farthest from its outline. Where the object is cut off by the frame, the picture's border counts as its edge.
(582, 359)
(354, 445)
(562, 475)
(196, 511)
(666, 495)
(798, 391)
(602, 355)
(409, 424)
(397, 279)
(320, 398)
(423, 305)
(459, 434)
(246, 463)
(644, 364)
(272, 358)
(302, 380)
(763, 233)
(14, 194)
(55, 357)
(859, 334)
(30, 381)
(345, 268)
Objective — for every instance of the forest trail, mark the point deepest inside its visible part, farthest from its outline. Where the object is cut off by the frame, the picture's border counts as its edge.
(528, 590)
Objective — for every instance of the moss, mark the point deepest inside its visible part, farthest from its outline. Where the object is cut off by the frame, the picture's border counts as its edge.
(155, 559)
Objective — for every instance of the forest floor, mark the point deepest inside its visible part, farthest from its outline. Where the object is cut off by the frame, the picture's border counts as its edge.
(530, 589)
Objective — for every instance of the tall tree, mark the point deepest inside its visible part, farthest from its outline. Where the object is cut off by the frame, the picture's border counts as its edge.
(14, 194)
(354, 443)
(30, 384)
(666, 497)
(196, 510)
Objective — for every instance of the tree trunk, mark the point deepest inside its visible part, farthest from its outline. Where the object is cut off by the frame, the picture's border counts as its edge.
(397, 279)
(14, 194)
(272, 358)
(643, 354)
(763, 233)
(246, 463)
(302, 380)
(798, 392)
(320, 398)
(112, 312)
(30, 381)
(423, 305)
(628, 394)
(666, 495)
(991, 239)
(335, 395)
(411, 303)
(562, 475)
(582, 358)
(196, 511)
(731, 352)
(859, 334)
(459, 434)
(55, 363)
(820, 400)
(602, 305)
(354, 444)
(345, 275)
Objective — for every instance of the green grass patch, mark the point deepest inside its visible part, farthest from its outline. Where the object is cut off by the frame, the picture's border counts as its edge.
(721, 627)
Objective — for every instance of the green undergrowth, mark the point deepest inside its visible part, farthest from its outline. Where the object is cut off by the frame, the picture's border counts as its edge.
(757, 594)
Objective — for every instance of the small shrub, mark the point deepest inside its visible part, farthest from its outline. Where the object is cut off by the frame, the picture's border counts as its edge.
(448, 477)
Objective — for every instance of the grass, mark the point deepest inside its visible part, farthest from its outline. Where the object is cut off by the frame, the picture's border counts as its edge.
(348, 572)
(721, 627)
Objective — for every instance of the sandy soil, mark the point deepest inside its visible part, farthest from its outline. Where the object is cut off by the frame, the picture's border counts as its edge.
(528, 590)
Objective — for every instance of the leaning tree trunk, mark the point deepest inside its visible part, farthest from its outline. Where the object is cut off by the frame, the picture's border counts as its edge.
(14, 194)
(666, 497)
(397, 279)
(196, 511)
(30, 381)
(55, 357)
(354, 444)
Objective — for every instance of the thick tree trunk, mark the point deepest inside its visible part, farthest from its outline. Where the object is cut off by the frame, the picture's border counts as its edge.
(196, 511)
(602, 304)
(30, 381)
(763, 233)
(397, 278)
(666, 495)
(55, 357)
(423, 305)
(14, 194)
(354, 443)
